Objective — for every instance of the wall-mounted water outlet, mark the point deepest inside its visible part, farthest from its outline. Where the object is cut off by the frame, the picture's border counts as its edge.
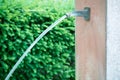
(86, 13)
(83, 13)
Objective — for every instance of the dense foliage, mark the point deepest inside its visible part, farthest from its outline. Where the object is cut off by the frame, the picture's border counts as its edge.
(53, 56)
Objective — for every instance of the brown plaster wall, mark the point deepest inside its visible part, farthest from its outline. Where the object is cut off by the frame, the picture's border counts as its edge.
(90, 41)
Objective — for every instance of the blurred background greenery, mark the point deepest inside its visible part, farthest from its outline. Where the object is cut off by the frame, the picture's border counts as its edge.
(21, 21)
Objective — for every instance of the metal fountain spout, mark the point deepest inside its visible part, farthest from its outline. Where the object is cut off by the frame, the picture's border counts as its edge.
(83, 13)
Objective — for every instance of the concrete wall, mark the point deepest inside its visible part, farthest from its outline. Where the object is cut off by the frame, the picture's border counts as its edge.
(113, 39)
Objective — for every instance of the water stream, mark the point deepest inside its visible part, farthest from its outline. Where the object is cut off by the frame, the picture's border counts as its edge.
(33, 44)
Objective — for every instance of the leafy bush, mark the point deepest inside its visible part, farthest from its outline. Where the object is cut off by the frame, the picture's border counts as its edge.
(53, 56)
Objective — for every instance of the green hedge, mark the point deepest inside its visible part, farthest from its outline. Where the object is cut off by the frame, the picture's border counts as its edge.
(53, 56)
